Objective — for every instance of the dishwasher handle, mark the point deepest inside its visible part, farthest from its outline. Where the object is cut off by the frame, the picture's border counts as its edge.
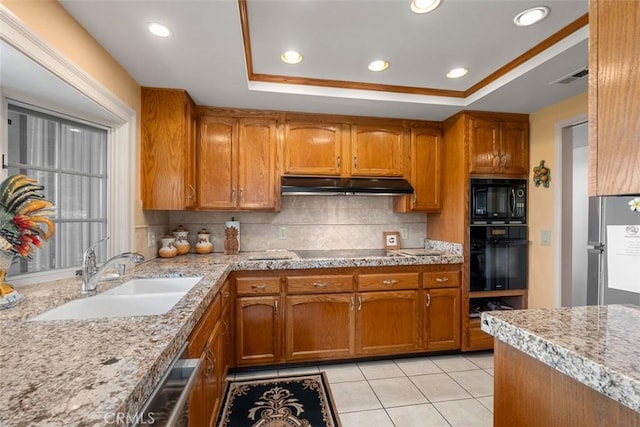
(192, 367)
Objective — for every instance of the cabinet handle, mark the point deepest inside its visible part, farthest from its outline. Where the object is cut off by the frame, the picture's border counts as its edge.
(233, 194)
(192, 192)
(504, 160)
(226, 327)
(226, 295)
(211, 362)
(414, 197)
(320, 285)
(389, 282)
(442, 279)
(355, 162)
(263, 286)
(351, 304)
(428, 299)
(359, 303)
(496, 160)
(242, 195)
(339, 161)
(275, 308)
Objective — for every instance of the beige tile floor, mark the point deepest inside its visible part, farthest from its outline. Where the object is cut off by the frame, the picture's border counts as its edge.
(452, 390)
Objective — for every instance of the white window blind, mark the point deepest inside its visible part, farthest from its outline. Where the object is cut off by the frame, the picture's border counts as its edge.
(70, 159)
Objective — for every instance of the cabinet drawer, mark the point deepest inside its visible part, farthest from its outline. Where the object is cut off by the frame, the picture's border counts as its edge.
(257, 285)
(387, 281)
(319, 284)
(203, 329)
(478, 339)
(441, 279)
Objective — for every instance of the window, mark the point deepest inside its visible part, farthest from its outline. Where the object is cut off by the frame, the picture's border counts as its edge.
(70, 159)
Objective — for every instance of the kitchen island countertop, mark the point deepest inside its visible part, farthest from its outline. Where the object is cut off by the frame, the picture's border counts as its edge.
(598, 346)
(92, 372)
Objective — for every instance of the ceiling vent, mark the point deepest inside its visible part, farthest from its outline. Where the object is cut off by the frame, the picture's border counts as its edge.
(573, 77)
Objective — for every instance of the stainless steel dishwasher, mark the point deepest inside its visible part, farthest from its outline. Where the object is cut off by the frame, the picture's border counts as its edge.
(168, 404)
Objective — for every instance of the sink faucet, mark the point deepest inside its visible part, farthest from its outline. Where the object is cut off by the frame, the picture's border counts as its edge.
(91, 274)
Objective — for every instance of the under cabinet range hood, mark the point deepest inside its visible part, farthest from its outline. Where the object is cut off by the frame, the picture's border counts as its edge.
(307, 186)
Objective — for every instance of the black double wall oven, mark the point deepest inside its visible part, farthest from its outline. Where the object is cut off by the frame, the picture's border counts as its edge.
(498, 235)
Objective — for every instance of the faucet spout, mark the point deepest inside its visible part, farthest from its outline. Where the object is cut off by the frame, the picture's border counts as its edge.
(91, 275)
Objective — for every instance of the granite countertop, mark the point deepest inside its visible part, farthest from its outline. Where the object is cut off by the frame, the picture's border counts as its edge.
(86, 372)
(599, 346)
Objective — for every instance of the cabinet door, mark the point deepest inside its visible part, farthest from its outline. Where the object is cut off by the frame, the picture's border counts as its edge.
(312, 148)
(256, 164)
(319, 326)
(514, 155)
(166, 149)
(484, 145)
(217, 180)
(442, 319)
(377, 151)
(426, 163)
(614, 91)
(387, 322)
(258, 330)
(212, 372)
(197, 396)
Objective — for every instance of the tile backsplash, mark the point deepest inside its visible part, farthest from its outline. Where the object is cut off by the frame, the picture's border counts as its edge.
(310, 223)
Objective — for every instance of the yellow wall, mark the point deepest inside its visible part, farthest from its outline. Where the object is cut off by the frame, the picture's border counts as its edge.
(51, 21)
(541, 200)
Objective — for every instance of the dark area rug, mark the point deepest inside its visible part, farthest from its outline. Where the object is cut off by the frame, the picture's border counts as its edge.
(292, 401)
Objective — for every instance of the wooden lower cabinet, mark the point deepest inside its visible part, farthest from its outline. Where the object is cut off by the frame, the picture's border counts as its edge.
(319, 327)
(442, 319)
(211, 342)
(258, 330)
(305, 316)
(387, 322)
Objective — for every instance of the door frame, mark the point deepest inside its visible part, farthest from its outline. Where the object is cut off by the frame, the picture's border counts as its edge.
(562, 247)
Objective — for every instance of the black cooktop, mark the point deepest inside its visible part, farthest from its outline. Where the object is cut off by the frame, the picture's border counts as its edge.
(344, 253)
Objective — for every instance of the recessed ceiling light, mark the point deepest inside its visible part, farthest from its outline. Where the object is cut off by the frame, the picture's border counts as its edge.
(291, 57)
(424, 6)
(159, 30)
(378, 65)
(531, 16)
(457, 73)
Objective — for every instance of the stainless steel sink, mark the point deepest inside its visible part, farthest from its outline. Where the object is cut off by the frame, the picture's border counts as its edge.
(137, 297)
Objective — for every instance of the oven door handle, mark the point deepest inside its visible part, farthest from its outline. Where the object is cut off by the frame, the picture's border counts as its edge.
(497, 242)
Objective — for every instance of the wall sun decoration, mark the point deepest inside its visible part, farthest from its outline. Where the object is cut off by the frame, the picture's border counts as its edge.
(541, 175)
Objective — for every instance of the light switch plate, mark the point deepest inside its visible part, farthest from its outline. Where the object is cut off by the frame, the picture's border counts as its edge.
(404, 233)
(282, 233)
(545, 238)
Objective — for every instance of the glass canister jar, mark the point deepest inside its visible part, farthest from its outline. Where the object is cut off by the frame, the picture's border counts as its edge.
(204, 245)
(168, 249)
(181, 235)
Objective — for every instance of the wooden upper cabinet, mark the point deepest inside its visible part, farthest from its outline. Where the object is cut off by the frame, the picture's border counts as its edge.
(167, 149)
(614, 91)
(313, 148)
(236, 163)
(256, 164)
(425, 172)
(216, 159)
(377, 150)
(498, 145)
